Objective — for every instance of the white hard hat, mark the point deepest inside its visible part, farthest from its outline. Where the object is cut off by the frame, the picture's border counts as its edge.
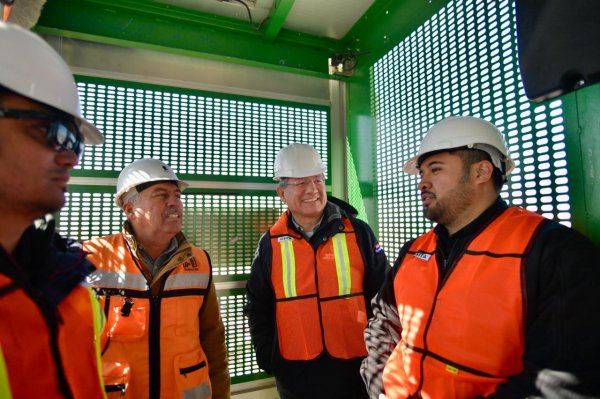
(464, 131)
(144, 171)
(297, 160)
(31, 68)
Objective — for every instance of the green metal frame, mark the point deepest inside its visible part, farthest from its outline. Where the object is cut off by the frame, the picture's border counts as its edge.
(222, 178)
(150, 25)
(382, 27)
(277, 19)
(582, 120)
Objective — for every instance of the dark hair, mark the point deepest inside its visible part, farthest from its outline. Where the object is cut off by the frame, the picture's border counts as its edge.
(4, 91)
(469, 156)
(142, 186)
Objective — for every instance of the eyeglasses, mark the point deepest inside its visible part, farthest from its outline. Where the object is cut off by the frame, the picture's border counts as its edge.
(304, 183)
(61, 133)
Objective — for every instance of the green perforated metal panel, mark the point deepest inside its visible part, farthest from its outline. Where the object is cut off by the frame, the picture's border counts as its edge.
(229, 227)
(354, 195)
(242, 365)
(196, 133)
(463, 61)
(88, 214)
(227, 141)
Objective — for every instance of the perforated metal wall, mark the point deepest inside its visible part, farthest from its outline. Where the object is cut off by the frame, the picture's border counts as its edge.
(463, 61)
(205, 137)
(196, 133)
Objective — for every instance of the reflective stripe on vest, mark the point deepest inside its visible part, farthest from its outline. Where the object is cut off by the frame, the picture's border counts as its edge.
(120, 279)
(342, 265)
(187, 281)
(99, 321)
(288, 265)
(318, 295)
(462, 338)
(4, 384)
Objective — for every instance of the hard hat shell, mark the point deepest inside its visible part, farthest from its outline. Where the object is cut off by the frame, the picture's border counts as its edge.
(31, 68)
(144, 171)
(461, 131)
(297, 160)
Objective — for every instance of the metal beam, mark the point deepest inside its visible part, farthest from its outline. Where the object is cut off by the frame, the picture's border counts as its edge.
(145, 24)
(277, 19)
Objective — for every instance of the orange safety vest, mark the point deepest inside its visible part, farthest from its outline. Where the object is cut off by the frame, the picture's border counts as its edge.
(465, 335)
(320, 303)
(27, 344)
(152, 346)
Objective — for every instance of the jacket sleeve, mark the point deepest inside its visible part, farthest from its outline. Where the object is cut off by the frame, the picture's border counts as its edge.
(260, 305)
(212, 339)
(563, 318)
(376, 262)
(382, 333)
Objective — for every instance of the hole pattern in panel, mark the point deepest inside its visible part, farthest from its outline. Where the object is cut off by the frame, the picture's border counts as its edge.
(237, 336)
(463, 61)
(195, 134)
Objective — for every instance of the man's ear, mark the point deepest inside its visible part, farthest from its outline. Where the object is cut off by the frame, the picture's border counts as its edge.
(483, 171)
(128, 209)
(281, 193)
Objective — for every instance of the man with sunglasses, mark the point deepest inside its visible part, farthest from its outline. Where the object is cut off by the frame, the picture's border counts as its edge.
(312, 279)
(50, 322)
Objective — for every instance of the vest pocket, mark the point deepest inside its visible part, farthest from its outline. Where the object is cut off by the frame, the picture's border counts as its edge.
(191, 376)
(344, 320)
(116, 378)
(299, 329)
(126, 319)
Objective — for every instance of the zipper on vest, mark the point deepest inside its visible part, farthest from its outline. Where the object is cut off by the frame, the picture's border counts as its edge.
(154, 347)
(447, 269)
(53, 318)
(319, 295)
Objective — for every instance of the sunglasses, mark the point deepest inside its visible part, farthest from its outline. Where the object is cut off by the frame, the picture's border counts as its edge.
(61, 133)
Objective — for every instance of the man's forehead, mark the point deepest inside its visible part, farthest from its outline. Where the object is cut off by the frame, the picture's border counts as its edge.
(306, 177)
(16, 100)
(445, 157)
(168, 186)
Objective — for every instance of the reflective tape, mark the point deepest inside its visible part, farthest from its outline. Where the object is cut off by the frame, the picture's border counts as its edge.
(187, 280)
(342, 264)
(121, 280)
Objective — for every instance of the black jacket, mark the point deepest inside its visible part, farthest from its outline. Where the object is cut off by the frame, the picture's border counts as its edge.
(45, 264)
(324, 377)
(562, 285)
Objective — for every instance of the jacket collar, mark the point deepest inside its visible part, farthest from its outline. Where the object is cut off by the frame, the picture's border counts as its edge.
(183, 252)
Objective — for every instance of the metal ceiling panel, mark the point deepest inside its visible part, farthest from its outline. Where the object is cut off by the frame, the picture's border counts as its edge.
(326, 18)
(259, 9)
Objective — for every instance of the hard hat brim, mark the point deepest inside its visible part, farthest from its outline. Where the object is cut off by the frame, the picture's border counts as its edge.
(410, 166)
(119, 196)
(91, 134)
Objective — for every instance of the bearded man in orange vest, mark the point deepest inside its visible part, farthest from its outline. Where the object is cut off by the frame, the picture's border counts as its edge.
(495, 301)
(164, 337)
(51, 322)
(314, 274)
